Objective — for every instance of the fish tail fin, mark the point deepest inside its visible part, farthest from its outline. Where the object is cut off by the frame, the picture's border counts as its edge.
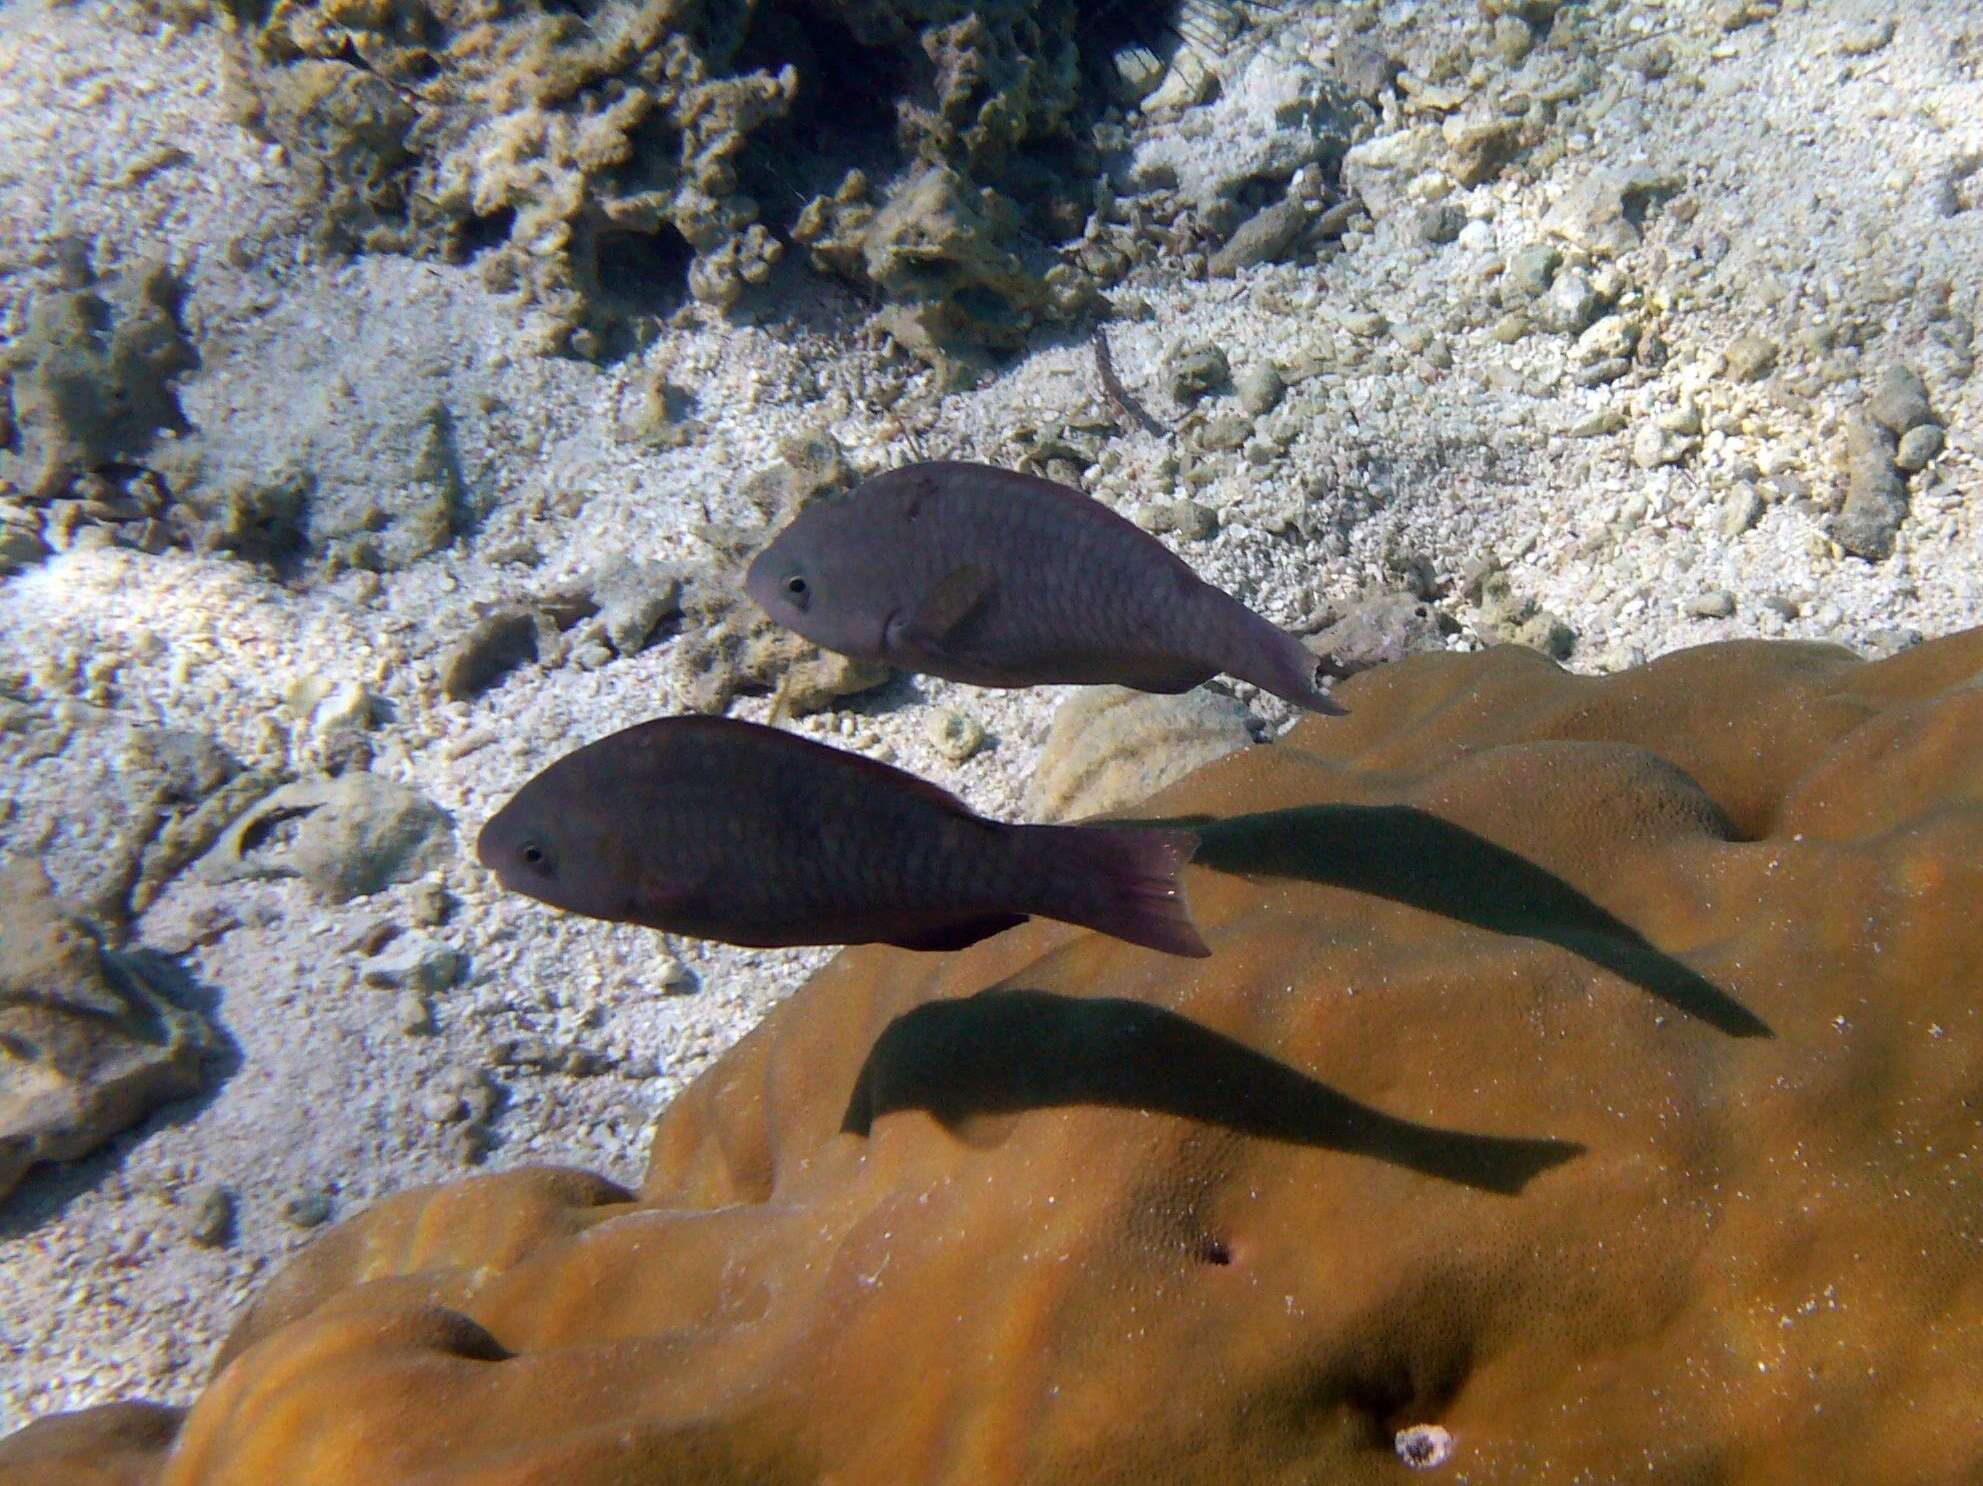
(1294, 673)
(1120, 880)
(1260, 651)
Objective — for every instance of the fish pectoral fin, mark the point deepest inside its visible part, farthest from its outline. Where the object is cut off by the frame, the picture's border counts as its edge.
(654, 902)
(957, 935)
(942, 611)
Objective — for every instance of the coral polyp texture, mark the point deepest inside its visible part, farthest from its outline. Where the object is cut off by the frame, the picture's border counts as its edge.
(1585, 1080)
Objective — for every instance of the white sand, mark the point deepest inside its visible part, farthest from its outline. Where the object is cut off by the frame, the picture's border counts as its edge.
(1820, 170)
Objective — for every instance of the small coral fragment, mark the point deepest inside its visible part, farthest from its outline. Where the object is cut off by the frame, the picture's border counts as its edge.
(1424, 1446)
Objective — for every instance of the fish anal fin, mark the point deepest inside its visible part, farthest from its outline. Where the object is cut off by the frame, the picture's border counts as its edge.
(959, 934)
(1166, 677)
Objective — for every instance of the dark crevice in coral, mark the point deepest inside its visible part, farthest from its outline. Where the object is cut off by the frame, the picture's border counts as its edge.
(1054, 183)
(269, 828)
(347, 53)
(1103, 30)
(248, 14)
(1380, 1400)
(844, 115)
(654, 148)
(1413, 1394)
(489, 230)
(642, 273)
(979, 303)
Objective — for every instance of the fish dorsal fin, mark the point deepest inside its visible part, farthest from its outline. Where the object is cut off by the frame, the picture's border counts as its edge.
(958, 595)
(784, 749)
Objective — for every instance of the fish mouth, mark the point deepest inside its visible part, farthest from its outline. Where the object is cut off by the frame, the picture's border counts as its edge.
(486, 849)
(754, 579)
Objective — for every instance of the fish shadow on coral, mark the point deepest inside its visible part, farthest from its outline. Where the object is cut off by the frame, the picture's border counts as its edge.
(47, 1189)
(1010, 1049)
(1414, 857)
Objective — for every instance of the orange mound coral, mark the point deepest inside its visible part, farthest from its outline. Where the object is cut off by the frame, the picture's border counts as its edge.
(1587, 1067)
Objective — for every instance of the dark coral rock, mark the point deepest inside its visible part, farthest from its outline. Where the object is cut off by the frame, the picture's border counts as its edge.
(89, 383)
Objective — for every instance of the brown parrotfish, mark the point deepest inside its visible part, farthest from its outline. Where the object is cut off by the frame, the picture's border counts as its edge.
(1005, 579)
(727, 830)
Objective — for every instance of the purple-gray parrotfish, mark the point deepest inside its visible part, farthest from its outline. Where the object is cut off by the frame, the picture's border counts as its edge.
(727, 830)
(1004, 579)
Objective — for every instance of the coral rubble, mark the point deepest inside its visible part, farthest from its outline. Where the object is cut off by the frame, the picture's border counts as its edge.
(613, 156)
(90, 380)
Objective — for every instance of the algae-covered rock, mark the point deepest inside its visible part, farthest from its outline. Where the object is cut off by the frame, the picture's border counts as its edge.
(730, 646)
(345, 837)
(593, 152)
(88, 1045)
(359, 481)
(359, 467)
(934, 251)
(181, 789)
(262, 516)
(1582, 1087)
(1110, 747)
(1380, 628)
(157, 799)
(611, 161)
(1604, 212)
(1875, 491)
(994, 76)
(499, 642)
(21, 542)
(614, 159)
(634, 596)
(89, 382)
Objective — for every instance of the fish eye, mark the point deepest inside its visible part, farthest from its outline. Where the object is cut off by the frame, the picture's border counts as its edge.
(798, 590)
(533, 854)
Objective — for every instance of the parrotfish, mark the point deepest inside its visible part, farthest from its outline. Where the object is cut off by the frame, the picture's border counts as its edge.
(722, 829)
(1005, 579)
